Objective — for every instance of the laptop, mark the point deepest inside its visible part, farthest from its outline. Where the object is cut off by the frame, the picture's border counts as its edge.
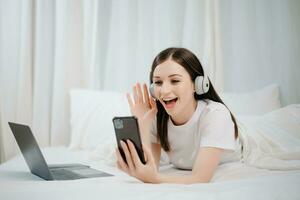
(37, 164)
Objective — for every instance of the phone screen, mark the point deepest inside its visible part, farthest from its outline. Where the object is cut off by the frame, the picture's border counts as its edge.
(127, 128)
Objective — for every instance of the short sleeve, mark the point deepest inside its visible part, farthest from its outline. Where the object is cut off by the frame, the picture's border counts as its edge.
(217, 129)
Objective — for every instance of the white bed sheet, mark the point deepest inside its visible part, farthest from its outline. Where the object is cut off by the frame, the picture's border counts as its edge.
(231, 181)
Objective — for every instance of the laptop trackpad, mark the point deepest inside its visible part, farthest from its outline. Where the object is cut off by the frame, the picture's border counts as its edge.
(75, 171)
(89, 172)
(65, 166)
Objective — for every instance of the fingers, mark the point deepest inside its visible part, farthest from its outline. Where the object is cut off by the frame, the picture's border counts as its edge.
(153, 104)
(128, 156)
(140, 95)
(134, 154)
(119, 166)
(120, 162)
(139, 92)
(135, 94)
(129, 100)
(146, 94)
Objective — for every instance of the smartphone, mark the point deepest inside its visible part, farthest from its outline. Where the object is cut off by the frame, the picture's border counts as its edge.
(128, 128)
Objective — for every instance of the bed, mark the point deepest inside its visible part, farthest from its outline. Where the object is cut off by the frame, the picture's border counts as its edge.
(269, 168)
(232, 181)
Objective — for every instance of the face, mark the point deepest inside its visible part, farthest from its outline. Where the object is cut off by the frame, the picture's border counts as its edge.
(174, 88)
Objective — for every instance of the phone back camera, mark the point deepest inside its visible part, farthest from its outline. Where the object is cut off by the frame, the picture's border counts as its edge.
(118, 123)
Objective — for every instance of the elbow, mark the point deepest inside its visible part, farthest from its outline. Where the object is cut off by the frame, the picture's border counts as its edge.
(203, 180)
(196, 181)
(200, 179)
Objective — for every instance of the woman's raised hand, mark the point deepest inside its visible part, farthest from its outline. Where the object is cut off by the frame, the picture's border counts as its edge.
(142, 106)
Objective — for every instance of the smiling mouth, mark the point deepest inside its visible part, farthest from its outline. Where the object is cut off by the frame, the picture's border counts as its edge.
(170, 103)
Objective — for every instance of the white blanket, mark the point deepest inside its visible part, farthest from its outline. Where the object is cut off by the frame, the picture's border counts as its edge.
(231, 181)
(272, 141)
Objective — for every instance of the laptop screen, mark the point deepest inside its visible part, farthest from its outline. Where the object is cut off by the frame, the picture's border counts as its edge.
(30, 150)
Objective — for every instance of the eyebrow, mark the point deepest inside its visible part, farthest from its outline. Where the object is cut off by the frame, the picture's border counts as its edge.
(168, 76)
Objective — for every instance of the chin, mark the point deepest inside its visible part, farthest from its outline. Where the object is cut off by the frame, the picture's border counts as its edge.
(174, 111)
(171, 113)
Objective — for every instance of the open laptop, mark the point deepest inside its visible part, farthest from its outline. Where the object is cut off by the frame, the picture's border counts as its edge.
(37, 164)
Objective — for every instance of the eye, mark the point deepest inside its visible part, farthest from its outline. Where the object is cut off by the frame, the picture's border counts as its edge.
(175, 81)
(157, 82)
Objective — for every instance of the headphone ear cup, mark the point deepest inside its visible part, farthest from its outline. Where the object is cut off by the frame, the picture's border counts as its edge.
(151, 89)
(198, 85)
(201, 85)
(205, 84)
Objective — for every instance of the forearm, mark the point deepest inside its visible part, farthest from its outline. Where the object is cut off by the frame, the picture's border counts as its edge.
(145, 137)
(203, 170)
(146, 141)
(144, 132)
(180, 179)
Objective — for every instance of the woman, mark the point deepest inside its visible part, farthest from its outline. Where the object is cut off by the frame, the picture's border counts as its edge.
(186, 118)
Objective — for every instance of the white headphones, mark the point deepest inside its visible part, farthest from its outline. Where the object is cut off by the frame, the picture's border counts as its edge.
(201, 85)
(151, 89)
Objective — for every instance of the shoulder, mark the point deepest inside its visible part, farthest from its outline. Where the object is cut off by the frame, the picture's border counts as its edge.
(215, 117)
(214, 109)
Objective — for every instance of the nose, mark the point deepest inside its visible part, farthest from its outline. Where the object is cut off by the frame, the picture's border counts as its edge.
(165, 88)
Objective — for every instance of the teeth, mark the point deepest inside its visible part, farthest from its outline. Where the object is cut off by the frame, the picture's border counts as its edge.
(169, 99)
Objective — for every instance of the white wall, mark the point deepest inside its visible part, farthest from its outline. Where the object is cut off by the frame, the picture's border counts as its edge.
(261, 45)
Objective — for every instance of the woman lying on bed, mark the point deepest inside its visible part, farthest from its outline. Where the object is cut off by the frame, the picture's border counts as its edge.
(186, 118)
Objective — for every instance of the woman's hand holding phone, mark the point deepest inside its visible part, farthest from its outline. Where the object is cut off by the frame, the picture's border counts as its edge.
(143, 107)
(147, 172)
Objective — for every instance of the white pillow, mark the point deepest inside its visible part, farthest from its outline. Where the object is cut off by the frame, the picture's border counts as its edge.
(91, 117)
(253, 103)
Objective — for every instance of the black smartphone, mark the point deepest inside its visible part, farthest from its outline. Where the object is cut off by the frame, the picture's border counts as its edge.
(128, 128)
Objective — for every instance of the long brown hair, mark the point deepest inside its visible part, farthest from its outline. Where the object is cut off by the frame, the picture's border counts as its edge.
(192, 65)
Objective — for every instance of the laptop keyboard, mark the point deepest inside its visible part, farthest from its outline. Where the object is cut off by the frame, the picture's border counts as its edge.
(62, 174)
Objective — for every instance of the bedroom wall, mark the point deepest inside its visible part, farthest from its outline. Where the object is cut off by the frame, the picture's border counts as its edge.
(261, 45)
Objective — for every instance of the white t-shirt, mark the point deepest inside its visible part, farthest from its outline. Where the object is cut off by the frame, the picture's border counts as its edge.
(210, 126)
